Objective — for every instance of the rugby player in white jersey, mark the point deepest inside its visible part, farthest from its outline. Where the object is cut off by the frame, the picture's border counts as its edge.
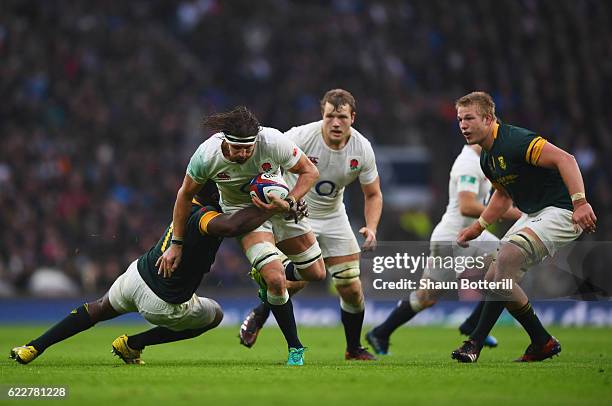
(468, 188)
(239, 151)
(342, 156)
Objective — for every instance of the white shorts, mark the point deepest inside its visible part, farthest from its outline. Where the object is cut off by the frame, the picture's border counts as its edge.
(334, 234)
(481, 249)
(553, 225)
(277, 225)
(130, 293)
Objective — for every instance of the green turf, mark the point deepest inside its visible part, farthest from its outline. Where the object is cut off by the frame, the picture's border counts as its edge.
(214, 370)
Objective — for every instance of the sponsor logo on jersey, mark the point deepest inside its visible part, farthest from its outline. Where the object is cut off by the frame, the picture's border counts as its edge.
(354, 164)
(314, 159)
(223, 176)
(502, 162)
(266, 166)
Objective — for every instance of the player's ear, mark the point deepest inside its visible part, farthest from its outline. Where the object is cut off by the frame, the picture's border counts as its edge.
(352, 117)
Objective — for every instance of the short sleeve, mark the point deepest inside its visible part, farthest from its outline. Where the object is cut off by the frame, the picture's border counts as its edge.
(369, 172)
(467, 183)
(204, 216)
(287, 152)
(528, 146)
(196, 168)
(468, 176)
(293, 134)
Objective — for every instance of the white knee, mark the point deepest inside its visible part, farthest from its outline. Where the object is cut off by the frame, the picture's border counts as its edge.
(277, 300)
(344, 273)
(306, 258)
(261, 254)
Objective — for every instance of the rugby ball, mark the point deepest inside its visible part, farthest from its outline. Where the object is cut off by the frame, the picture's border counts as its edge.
(268, 183)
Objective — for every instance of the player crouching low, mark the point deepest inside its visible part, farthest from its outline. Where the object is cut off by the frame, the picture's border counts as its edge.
(545, 183)
(165, 299)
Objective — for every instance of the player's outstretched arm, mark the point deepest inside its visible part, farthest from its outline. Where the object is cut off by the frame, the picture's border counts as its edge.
(373, 203)
(245, 220)
(553, 157)
(171, 258)
(498, 205)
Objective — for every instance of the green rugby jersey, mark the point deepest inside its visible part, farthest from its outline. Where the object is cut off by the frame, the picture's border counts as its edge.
(511, 164)
(199, 250)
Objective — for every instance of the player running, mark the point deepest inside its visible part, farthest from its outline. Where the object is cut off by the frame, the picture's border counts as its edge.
(342, 156)
(545, 183)
(239, 151)
(165, 299)
(468, 189)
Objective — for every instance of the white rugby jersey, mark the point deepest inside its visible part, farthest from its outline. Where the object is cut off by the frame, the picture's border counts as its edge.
(465, 176)
(336, 168)
(272, 152)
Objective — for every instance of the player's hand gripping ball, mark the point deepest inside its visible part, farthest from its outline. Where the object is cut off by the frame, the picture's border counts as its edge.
(268, 183)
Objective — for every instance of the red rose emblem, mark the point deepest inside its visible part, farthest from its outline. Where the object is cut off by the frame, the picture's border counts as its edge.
(266, 166)
(295, 150)
(354, 164)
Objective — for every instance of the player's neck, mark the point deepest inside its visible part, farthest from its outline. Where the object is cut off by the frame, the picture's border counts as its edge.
(487, 143)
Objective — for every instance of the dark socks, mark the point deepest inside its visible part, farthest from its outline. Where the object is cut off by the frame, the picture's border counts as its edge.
(470, 323)
(263, 312)
(491, 310)
(290, 272)
(286, 321)
(161, 335)
(352, 328)
(400, 315)
(78, 320)
(530, 322)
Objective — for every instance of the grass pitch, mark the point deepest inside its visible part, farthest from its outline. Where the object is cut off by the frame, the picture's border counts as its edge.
(214, 370)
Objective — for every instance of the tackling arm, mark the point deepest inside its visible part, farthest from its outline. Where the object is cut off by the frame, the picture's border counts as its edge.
(244, 220)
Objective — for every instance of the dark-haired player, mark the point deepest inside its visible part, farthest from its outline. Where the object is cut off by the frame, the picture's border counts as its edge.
(545, 183)
(165, 299)
(240, 150)
(342, 156)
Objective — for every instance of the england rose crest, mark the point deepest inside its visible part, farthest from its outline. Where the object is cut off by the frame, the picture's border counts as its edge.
(354, 164)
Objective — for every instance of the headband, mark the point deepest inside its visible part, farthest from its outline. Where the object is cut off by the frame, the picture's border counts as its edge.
(231, 139)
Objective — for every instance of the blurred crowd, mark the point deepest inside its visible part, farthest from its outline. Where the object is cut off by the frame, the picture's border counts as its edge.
(102, 103)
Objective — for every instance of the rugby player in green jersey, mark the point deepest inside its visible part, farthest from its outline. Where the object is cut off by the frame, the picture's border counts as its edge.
(166, 299)
(545, 183)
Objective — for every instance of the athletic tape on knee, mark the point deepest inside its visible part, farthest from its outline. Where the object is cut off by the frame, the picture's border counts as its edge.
(277, 300)
(415, 303)
(530, 246)
(306, 258)
(344, 273)
(261, 254)
(350, 308)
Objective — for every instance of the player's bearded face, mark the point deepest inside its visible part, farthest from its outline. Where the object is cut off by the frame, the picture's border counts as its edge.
(239, 153)
(337, 122)
(474, 127)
